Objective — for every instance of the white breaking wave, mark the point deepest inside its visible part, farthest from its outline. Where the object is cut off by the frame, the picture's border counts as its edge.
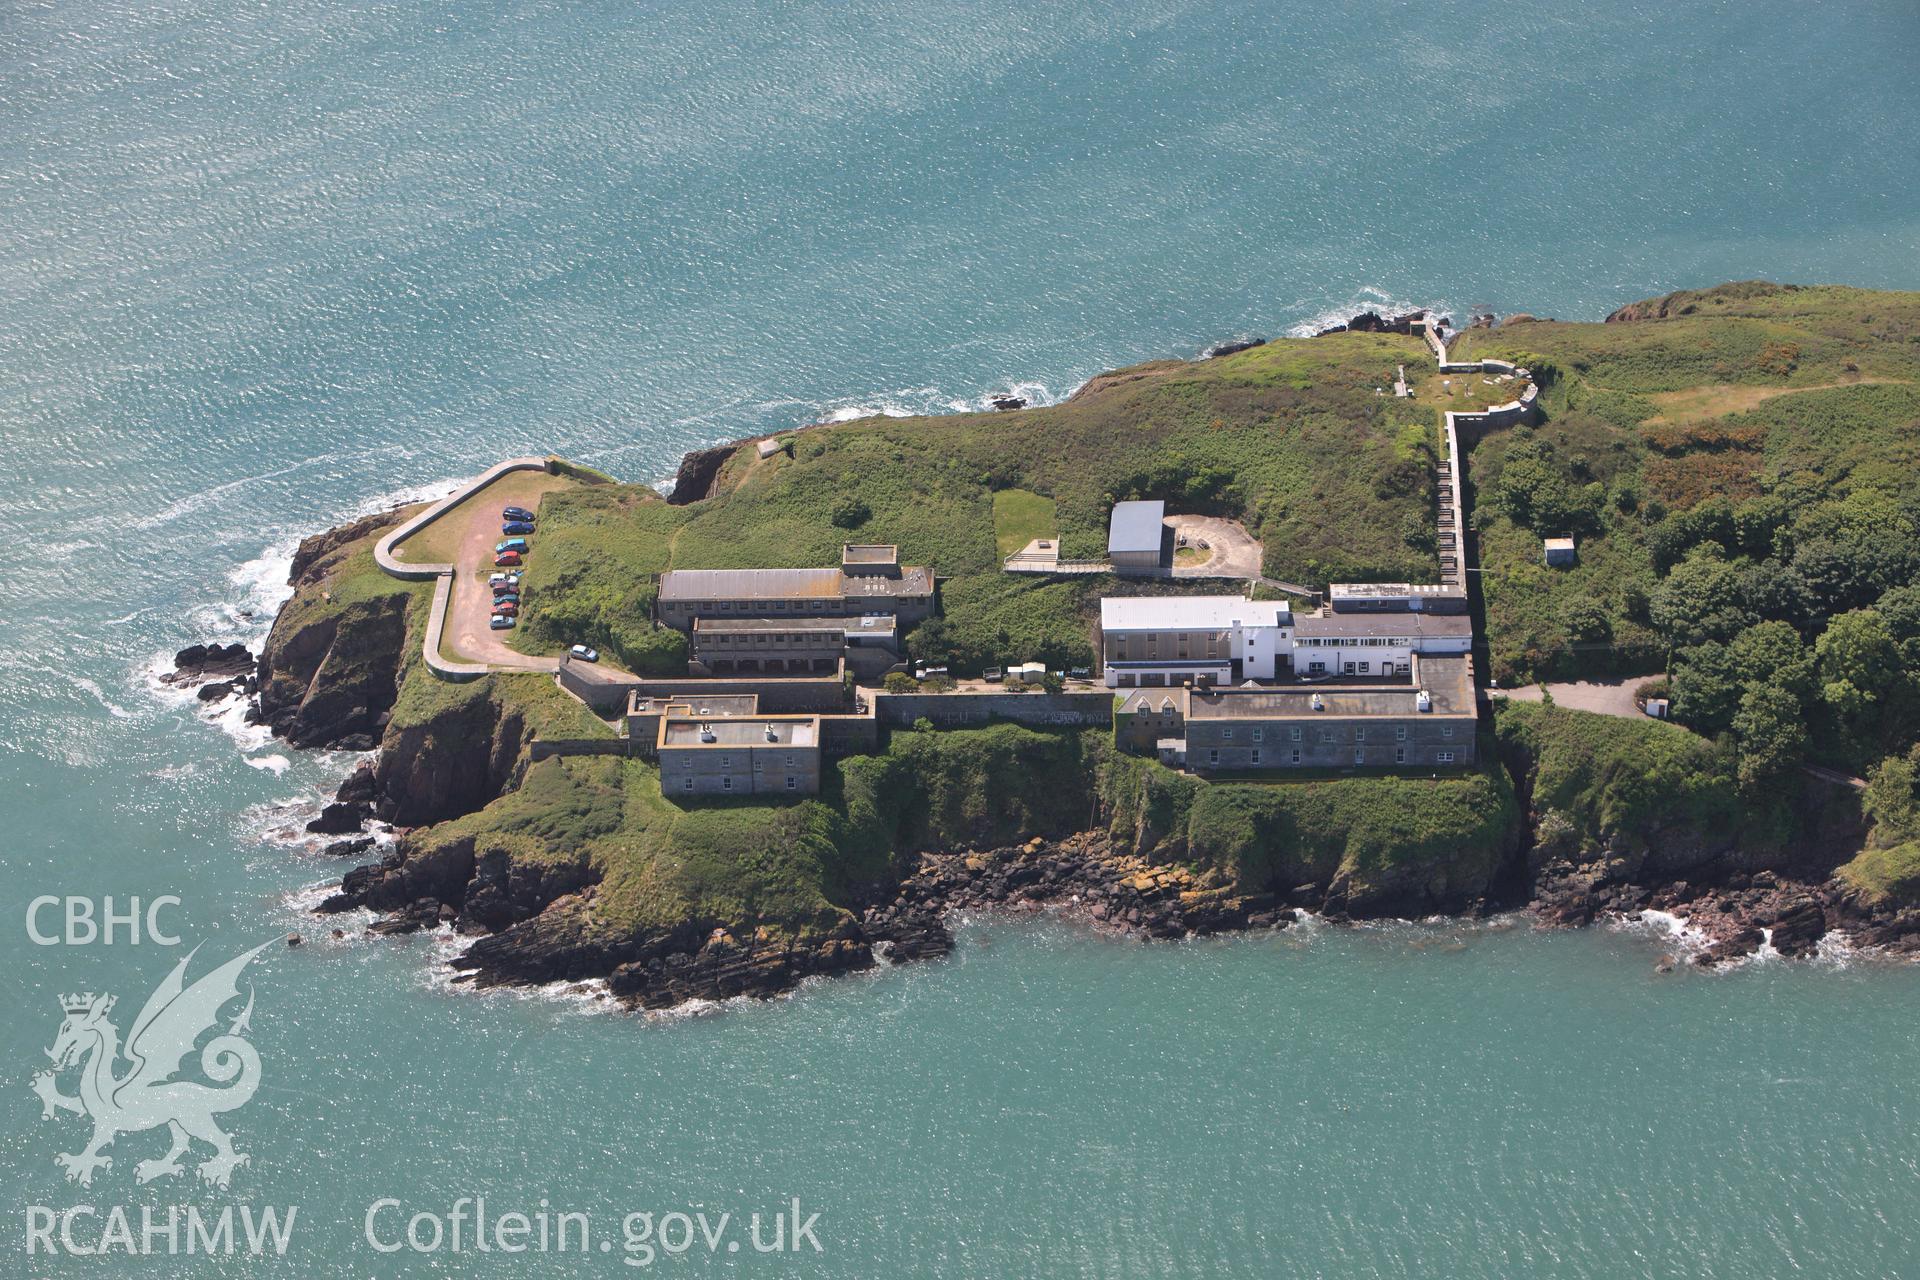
(1370, 298)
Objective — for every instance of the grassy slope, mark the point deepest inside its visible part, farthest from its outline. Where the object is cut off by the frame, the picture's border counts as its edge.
(1280, 436)
(1754, 389)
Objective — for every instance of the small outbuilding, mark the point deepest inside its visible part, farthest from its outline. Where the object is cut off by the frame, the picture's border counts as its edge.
(1138, 539)
(1559, 551)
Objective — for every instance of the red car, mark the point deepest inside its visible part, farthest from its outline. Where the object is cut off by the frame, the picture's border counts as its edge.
(506, 558)
(508, 607)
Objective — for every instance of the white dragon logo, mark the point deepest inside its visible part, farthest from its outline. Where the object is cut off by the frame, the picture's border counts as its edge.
(147, 1096)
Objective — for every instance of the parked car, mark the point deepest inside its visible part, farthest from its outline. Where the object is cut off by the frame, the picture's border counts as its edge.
(511, 608)
(517, 526)
(502, 596)
(512, 544)
(585, 654)
(501, 622)
(504, 558)
(510, 580)
(515, 513)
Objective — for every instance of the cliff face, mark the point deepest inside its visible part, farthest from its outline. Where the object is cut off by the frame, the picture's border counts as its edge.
(330, 668)
(455, 760)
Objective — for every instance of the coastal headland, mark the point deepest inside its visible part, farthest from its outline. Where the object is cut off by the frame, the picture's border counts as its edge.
(1715, 494)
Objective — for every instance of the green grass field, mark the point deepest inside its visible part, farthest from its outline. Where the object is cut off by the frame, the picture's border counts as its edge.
(1019, 517)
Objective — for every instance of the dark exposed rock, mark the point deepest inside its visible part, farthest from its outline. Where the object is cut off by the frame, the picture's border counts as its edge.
(698, 470)
(338, 819)
(230, 664)
(1233, 348)
(1009, 403)
(349, 848)
(360, 786)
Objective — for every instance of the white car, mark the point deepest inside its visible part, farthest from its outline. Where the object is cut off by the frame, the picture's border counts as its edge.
(585, 654)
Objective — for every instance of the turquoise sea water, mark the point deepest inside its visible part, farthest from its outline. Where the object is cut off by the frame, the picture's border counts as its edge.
(262, 266)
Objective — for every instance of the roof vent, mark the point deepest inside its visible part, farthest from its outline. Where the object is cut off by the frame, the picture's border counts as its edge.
(1423, 700)
(1319, 703)
(773, 735)
(707, 734)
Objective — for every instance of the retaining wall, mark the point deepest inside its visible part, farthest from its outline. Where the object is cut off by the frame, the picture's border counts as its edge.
(543, 748)
(900, 710)
(445, 668)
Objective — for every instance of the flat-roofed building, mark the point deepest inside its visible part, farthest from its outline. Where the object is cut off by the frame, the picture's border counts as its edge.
(765, 755)
(1138, 540)
(870, 581)
(1368, 643)
(733, 646)
(1429, 722)
(646, 711)
(1157, 641)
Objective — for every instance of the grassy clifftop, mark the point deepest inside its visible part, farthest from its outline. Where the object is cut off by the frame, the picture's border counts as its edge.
(1280, 436)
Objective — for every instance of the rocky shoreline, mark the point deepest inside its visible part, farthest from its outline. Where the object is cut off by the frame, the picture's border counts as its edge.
(534, 934)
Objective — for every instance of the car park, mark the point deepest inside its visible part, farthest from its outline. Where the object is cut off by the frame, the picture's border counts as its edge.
(504, 558)
(584, 653)
(517, 526)
(501, 622)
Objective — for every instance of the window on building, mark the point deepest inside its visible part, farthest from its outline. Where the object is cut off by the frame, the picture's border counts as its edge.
(1349, 668)
(1400, 733)
(1360, 734)
(1295, 733)
(686, 783)
(1366, 668)
(1326, 735)
(789, 762)
(1259, 735)
(1446, 731)
(793, 783)
(726, 784)
(1296, 755)
(726, 762)
(1443, 757)
(1359, 755)
(1213, 756)
(1227, 734)
(1399, 755)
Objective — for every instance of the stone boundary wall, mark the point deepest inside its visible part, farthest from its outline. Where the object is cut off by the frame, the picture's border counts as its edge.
(900, 710)
(607, 692)
(445, 668)
(545, 748)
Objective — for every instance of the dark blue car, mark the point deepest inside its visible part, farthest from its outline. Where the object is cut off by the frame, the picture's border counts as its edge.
(517, 526)
(515, 513)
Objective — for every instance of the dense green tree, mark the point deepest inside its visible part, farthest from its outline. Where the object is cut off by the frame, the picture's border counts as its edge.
(1773, 653)
(1700, 600)
(1586, 622)
(1772, 733)
(1706, 687)
(1893, 799)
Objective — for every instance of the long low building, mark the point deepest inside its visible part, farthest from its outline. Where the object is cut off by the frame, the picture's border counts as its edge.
(870, 581)
(1429, 722)
(732, 645)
